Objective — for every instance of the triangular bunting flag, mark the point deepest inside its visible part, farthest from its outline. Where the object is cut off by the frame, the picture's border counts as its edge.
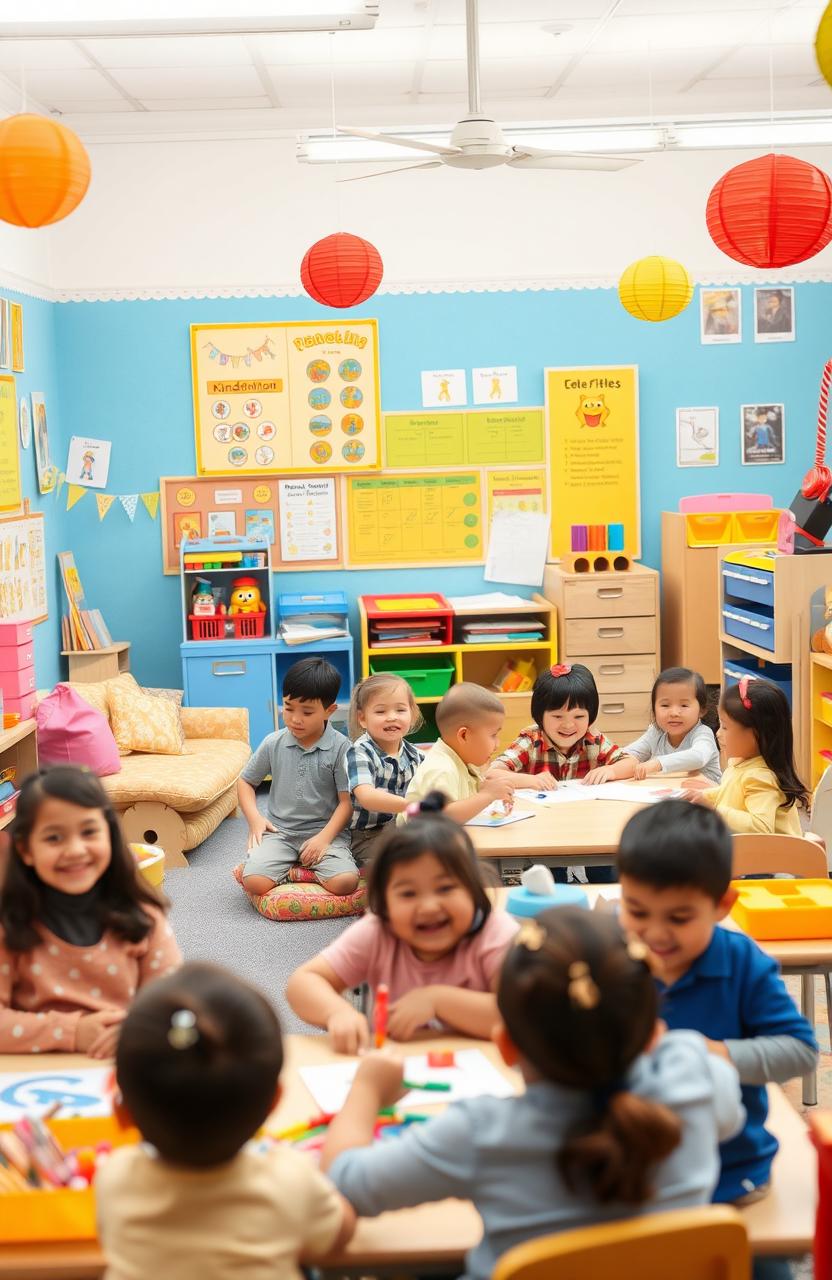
(105, 501)
(129, 501)
(151, 501)
(74, 493)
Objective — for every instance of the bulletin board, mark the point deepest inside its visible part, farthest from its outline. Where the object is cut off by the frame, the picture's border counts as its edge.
(22, 569)
(10, 494)
(463, 438)
(259, 506)
(286, 397)
(592, 415)
(415, 519)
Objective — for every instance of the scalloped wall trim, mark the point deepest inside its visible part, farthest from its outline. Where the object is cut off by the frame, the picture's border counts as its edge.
(145, 293)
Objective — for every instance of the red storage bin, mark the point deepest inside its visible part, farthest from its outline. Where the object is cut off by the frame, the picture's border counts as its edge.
(247, 626)
(14, 657)
(16, 684)
(15, 632)
(24, 706)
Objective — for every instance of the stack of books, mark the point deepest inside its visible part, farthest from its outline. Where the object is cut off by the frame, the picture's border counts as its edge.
(405, 633)
(524, 630)
(82, 629)
(322, 627)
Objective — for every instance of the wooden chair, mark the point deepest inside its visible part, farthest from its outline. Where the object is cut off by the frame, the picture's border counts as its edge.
(772, 855)
(709, 1243)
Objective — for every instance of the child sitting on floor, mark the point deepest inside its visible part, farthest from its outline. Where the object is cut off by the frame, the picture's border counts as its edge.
(433, 938)
(198, 1065)
(309, 801)
(380, 763)
(615, 1119)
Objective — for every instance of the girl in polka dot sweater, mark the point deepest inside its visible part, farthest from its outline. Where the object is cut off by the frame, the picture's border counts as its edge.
(80, 929)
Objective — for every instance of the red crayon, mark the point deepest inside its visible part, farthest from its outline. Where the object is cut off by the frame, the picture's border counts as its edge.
(382, 1006)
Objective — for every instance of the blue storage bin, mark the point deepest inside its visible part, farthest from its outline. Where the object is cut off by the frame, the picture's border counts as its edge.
(749, 622)
(300, 606)
(748, 583)
(779, 673)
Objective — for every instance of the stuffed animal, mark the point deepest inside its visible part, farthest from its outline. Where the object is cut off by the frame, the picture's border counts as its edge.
(822, 637)
(245, 597)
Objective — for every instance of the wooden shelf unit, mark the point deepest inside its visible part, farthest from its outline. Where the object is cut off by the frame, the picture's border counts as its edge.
(820, 729)
(18, 750)
(89, 666)
(480, 663)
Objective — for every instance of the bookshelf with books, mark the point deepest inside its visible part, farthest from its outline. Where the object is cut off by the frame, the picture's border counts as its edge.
(91, 652)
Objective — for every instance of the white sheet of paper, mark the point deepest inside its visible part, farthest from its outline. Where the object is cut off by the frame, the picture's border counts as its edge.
(487, 600)
(472, 1077)
(443, 388)
(496, 385)
(639, 795)
(495, 817)
(82, 1092)
(517, 546)
(561, 795)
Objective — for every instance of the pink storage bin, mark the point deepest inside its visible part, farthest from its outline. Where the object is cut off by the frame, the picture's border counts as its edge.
(14, 657)
(700, 503)
(15, 632)
(16, 684)
(25, 706)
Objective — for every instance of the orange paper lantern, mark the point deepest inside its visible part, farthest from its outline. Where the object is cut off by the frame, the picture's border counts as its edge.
(341, 270)
(771, 212)
(44, 171)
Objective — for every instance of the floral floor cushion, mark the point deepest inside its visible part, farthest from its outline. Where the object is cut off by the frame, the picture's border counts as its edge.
(305, 900)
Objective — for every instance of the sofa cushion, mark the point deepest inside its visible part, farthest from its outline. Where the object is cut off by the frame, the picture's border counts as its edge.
(141, 722)
(70, 731)
(95, 692)
(305, 901)
(188, 782)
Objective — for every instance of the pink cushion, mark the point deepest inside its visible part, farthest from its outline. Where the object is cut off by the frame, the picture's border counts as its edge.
(70, 731)
(305, 901)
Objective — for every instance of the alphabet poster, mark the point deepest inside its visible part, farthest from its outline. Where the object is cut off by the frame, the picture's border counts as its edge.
(295, 396)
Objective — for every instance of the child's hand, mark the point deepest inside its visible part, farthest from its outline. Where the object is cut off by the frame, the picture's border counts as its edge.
(695, 797)
(644, 769)
(718, 1049)
(383, 1075)
(411, 1012)
(256, 831)
(497, 786)
(97, 1033)
(545, 782)
(312, 850)
(595, 776)
(697, 784)
(348, 1030)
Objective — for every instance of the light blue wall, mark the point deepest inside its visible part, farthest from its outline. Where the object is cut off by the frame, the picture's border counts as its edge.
(124, 373)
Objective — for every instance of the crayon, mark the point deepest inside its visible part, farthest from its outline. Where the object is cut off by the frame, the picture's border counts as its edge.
(431, 1086)
(381, 1009)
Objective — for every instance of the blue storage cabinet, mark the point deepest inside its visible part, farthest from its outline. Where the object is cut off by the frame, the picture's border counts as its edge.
(233, 674)
(309, 608)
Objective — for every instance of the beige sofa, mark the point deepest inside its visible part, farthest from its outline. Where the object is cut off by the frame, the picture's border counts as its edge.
(176, 801)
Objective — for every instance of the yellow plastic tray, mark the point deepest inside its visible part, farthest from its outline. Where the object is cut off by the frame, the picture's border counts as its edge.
(60, 1214)
(708, 529)
(756, 526)
(717, 528)
(771, 910)
(753, 559)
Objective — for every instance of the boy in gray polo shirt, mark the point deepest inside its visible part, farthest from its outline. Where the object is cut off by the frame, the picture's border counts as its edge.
(309, 802)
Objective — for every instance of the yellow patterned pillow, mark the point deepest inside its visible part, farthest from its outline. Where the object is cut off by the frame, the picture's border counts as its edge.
(141, 722)
(95, 691)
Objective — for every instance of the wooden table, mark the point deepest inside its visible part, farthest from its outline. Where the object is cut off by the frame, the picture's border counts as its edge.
(438, 1235)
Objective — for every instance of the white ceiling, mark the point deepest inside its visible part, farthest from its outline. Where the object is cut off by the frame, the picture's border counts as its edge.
(612, 59)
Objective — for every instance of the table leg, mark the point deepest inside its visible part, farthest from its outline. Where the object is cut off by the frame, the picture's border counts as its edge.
(807, 1006)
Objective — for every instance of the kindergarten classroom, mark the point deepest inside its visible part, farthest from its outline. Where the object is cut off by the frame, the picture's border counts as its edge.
(553, 397)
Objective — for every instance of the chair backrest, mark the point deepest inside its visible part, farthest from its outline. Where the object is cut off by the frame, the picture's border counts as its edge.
(687, 1244)
(822, 809)
(768, 855)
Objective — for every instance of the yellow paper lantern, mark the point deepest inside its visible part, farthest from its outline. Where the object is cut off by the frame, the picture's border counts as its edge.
(655, 288)
(44, 171)
(823, 44)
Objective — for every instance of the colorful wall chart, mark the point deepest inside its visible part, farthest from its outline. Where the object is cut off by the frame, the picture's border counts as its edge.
(516, 491)
(286, 397)
(10, 495)
(592, 414)
(415, 519)
(453, 439)
(308, 519)
(22, 569)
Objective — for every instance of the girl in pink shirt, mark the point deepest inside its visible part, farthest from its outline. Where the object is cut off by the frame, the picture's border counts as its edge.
(432, 938)
(80, 929)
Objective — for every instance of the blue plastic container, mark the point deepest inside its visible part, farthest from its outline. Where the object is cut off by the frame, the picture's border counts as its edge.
(749, 622)
(747, 582)
(523, 904)
(779, 673)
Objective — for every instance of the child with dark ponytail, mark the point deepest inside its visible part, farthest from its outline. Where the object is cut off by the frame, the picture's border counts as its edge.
(616, 1118)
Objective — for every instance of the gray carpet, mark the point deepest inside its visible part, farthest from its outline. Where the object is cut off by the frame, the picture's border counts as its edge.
(213, 920)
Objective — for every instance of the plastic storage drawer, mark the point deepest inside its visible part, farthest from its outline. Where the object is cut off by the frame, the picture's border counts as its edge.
(428, 677)
(779, 673)
(755, 626)
(756, 585)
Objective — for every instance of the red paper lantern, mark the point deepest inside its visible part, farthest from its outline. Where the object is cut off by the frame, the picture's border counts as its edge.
(341, 270)
(44, 171)
(771, 212)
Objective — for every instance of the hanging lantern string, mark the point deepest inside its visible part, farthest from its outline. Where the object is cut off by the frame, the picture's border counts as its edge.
(818, 482)
(339, 223)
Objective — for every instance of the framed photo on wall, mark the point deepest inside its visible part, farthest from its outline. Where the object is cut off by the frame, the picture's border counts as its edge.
(763, 430)
(720, 316)
(697, 437)
(774, 315)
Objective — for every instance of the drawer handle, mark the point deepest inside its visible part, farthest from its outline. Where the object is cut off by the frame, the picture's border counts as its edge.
(611, 669)
(612, 708)
(232, 668)
(748, 622)
(609, 593)
(746, 577)
(610, 633)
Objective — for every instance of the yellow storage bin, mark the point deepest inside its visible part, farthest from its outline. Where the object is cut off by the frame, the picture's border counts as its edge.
(756, 526)
(35, 1216)
(708, 529)
(771, 910)
(151, 860)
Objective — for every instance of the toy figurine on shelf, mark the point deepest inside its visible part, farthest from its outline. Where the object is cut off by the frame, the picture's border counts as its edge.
(245, 597)
(203, 604)
(821, 641)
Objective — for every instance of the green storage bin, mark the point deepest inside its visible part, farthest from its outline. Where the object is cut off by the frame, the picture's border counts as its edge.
(428, 732)
(429, 676)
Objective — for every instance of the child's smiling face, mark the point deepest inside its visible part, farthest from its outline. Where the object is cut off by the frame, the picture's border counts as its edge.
(68, 847)
(427, 906)
(566, 725)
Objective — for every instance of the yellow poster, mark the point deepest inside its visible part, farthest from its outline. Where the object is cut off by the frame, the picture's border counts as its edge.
(516, 490)
(282, 397)
(448, 438)
(16, 314)
(10, 496)
(424, 439)
(415, 519)
(592, 414)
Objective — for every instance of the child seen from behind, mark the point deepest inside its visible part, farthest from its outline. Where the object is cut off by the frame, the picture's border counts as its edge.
(615, 1120)
(380, 763)
(80, 929)
(197, 1069)
(433, 938)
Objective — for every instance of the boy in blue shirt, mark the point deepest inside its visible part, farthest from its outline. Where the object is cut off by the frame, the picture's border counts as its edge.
(674, 864)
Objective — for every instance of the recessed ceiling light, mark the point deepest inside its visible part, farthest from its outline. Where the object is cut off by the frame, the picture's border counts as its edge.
(556, 28)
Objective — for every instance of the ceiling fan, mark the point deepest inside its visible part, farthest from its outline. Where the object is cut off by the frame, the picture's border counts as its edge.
(477, 141)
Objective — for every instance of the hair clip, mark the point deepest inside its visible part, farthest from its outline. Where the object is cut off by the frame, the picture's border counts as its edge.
(413, 809)
(636, 949)
(561, 669)
(182, 1033)
(743, 692)
(583, 990)
(530, 935)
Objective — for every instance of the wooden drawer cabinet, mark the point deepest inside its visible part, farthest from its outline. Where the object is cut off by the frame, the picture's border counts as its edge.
(610, 623)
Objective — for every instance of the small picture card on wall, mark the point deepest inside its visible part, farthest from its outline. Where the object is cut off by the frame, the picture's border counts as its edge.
(25, 419)
(774, 315)
(720, 316)
(763, 428)
(47, 473)
(495, 386)
(222, 524)
(88, 462)
(697, 437)
(5, 335)
(16, 317)
(443, 388)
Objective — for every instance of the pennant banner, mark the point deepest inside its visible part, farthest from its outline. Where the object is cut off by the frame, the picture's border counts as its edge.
(74, 493)
(129, 501)
(151, 501)
(104, 501)
(245, 357)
